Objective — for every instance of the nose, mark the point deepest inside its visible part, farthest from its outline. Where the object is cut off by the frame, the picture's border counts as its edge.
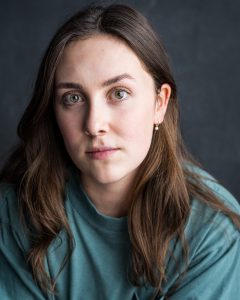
(96, 120)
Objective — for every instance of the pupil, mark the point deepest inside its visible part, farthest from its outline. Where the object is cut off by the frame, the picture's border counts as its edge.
(75, 98)
(119, 94)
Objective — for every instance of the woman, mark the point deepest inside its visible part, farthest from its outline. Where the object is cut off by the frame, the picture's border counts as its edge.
(101, 200)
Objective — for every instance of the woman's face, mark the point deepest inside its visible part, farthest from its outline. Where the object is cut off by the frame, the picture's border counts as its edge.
(105, 106)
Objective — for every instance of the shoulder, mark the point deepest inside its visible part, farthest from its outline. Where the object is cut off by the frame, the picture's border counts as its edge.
(205, 211)
(213, 242)
(15, 278)
(8, 203)
(223, 195)
(11, 228)
(207, 228)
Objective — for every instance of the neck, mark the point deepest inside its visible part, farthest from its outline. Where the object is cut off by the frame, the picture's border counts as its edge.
(111, 199)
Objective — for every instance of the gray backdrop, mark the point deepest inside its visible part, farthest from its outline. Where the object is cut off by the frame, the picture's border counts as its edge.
(203, 41)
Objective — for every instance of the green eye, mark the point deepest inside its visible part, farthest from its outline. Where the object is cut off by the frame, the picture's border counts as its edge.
(120, 94)
(72, 98)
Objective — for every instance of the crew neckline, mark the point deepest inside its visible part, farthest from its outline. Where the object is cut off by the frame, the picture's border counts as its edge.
(86, 208)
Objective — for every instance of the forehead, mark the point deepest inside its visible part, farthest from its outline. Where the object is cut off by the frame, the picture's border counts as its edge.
(98, 55)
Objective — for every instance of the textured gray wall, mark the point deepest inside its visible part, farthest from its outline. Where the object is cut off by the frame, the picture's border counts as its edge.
(203, 41)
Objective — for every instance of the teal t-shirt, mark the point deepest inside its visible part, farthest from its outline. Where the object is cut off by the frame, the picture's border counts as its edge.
(99, 263)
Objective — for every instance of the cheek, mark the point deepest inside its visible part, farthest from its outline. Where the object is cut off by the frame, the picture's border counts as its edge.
(137, 128)
(68, 128)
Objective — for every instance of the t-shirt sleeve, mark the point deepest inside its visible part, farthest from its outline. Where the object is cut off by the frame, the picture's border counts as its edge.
(16, 281)
(213, 271)
(213, 274)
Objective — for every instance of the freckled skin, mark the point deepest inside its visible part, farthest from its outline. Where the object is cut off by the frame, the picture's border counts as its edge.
(127, 124)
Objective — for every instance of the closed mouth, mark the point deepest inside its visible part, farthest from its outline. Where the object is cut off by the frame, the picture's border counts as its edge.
(101, 149)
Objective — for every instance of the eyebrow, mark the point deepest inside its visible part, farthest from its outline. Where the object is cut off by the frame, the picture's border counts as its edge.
(70, 85)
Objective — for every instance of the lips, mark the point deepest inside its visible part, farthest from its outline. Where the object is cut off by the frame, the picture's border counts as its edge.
(100, 149)
(101, 152)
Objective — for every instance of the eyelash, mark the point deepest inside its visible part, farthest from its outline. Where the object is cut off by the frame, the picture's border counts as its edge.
(74, 93)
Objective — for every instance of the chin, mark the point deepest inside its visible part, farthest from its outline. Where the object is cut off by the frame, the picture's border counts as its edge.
(114, 178)
(107, 179)
(108, 175)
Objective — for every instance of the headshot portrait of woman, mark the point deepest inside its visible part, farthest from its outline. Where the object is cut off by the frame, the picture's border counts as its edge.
(101, 199)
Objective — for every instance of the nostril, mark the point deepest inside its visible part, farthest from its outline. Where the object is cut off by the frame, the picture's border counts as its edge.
(92, 133)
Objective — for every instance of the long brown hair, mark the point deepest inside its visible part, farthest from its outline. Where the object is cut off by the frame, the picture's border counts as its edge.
(160, 198)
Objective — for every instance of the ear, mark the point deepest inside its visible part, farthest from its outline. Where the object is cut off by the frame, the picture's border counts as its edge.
(162, 100)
